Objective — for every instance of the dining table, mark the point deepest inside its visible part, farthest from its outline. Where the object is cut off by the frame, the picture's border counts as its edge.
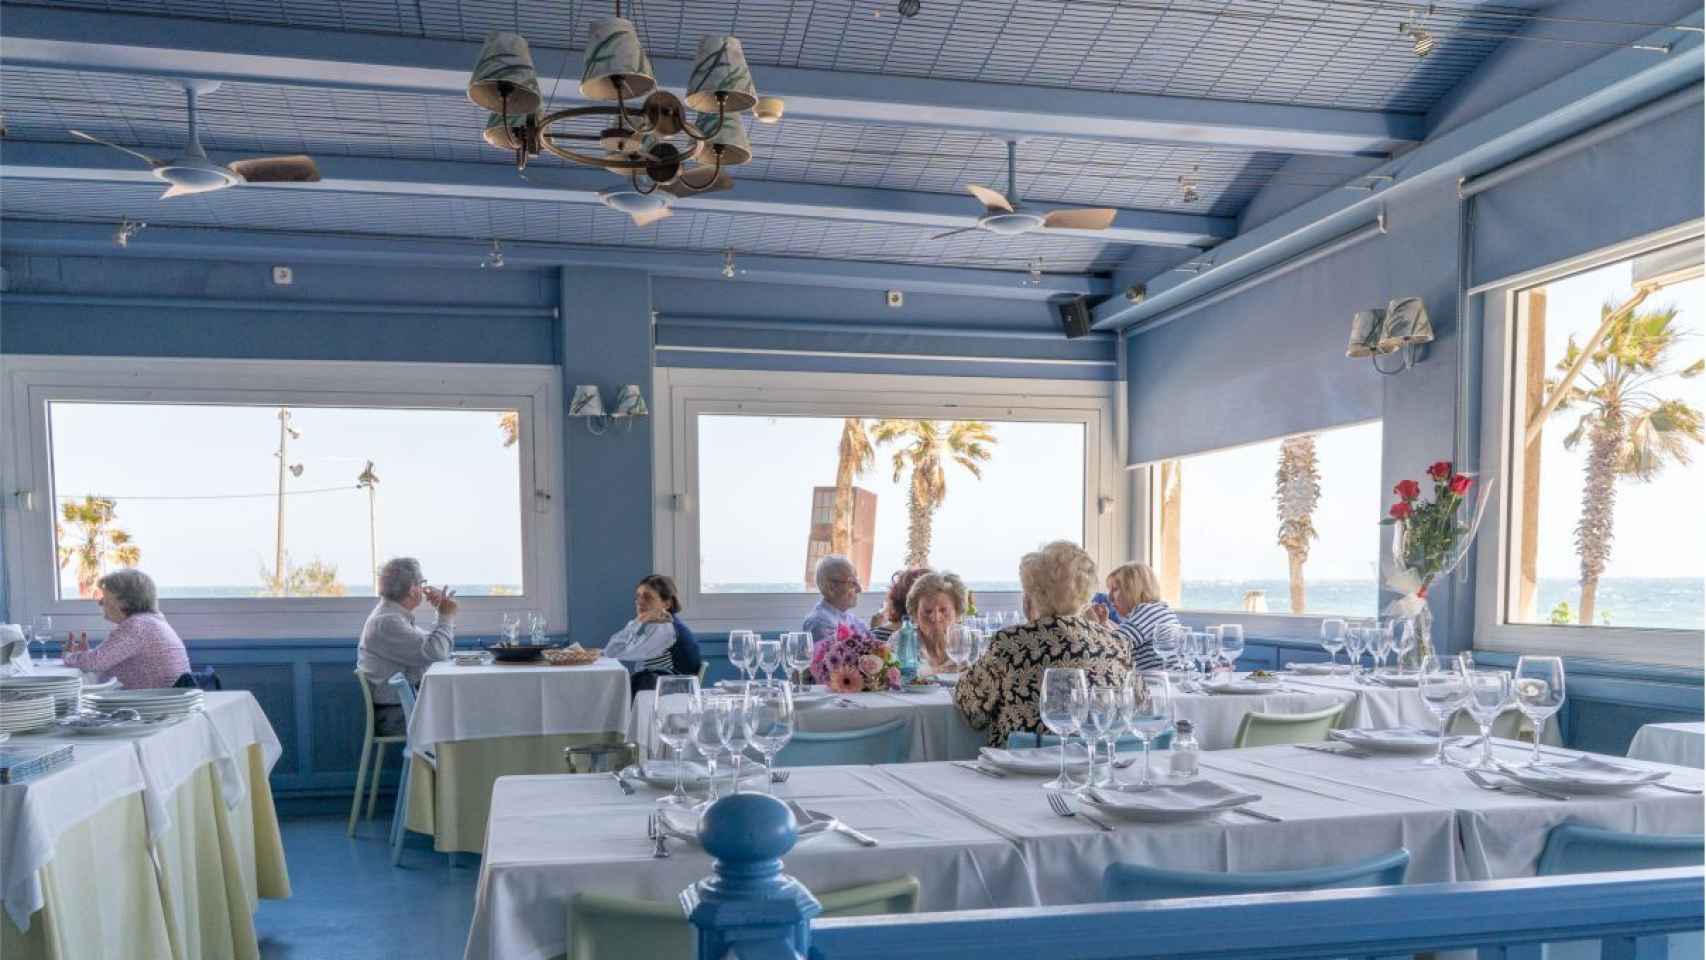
(980, 839)
(1683, 744)
(157, 844)
(475, 723)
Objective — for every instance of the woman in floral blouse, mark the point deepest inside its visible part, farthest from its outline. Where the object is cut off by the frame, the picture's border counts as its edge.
(1001, 689)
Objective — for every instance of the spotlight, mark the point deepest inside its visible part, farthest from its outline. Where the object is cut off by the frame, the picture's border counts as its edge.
(494, 257)
(127, 230)
(1422, 42)
(1188, 187)
(1034, 276)
(910, 8)
(729, 263)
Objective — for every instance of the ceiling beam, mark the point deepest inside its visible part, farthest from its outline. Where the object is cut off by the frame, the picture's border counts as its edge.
(129, 43)
(42, 238)
(554, 182)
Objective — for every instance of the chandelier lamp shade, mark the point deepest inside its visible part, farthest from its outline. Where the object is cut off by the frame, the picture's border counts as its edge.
(643, 132)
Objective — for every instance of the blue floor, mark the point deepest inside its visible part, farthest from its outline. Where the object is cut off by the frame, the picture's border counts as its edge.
(347, 901)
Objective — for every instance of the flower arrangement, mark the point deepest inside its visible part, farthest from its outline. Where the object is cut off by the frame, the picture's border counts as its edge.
(1431, 539)
(855, 661)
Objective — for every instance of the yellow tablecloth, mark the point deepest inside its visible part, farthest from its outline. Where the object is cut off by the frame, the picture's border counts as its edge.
(452, 800)
(105, 896)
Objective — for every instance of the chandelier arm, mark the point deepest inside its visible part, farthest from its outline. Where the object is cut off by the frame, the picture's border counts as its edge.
(716, 172)
(694, 133)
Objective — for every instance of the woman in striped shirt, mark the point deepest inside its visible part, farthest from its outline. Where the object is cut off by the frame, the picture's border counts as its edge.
(1135, 595)
(655, 643)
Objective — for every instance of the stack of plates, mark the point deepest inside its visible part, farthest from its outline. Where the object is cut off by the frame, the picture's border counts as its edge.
(148, 704)
(63, 688)
(21, 713)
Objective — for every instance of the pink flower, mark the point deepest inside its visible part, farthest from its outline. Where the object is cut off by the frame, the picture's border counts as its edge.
(894, 678)
(845, 680)
(870, 665)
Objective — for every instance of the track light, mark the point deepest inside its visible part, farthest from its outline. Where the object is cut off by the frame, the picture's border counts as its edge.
(1034, 276)
(729, 263)
(910, 8)
(1422, 42)
(494, 257)
(127, 230)
(1188, 187)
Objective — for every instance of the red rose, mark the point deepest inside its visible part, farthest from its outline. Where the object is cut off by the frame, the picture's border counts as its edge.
(1460, 484)
(1440, 470)
(1408, 489)
(1401, 510)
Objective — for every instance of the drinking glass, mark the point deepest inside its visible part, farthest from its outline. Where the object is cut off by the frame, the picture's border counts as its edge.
(1333, 638)
(510, 625)
(1101, 722)
(980, 644)
(1206, 651)
(1167, 640)
(797, 647)
(770, 719)
(1489, 695)
(738, 730)
(1152, 713)
(1403, 641)
(1443, 692)
(536, 628)
(959, 646)
(1356, 642)
(708, 736)
(1382, 648)
(1539, 689)
(740, 651)
(1065, 700)
(1231, 644)
(40, 635)
(769, 655)
(675, 721)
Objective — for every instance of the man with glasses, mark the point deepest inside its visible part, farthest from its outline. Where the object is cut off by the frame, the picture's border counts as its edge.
(391, 643)
(838, 581)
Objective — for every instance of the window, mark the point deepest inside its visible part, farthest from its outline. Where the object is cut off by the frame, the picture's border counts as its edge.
(1286, 526)
(748, 462)
(206, 474)
(1601, 545)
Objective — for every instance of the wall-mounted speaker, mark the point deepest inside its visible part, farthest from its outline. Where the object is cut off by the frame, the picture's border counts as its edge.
(1075, 317)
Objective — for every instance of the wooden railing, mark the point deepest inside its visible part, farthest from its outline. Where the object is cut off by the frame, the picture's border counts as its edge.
(749, 910)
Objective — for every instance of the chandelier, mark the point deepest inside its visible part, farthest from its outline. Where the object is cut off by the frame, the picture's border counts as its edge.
(647, 134)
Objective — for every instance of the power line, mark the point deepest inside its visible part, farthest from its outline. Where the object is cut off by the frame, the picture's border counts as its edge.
(208, 496)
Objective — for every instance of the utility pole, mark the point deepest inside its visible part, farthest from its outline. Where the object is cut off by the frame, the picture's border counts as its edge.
(370, 480)
(286, 433)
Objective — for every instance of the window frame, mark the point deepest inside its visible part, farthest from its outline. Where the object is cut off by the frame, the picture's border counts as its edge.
(30, 383)
(1494, 558)
(683, 394)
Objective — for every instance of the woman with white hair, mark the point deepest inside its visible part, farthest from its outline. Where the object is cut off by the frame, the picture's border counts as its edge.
(1000, 691)
(838, 582)
(935, 602)
(142, 651)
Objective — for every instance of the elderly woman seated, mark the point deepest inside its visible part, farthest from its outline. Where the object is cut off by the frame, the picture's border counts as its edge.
(935, 603)
(142, 650)
(1000, 691)
(838, 582)
(1141, 614)
(655, 643)
(391, 643)
(887, 620)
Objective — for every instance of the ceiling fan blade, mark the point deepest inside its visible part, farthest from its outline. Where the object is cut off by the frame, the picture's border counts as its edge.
(646, 218)
(944, 236)
(685, 186)
(993, 199)
(1084, 218)
(179, 190)
(108, 143)
(292, 169)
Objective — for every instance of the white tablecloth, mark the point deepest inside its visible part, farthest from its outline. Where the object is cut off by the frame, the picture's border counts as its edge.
(476, 703)
(1681, 744)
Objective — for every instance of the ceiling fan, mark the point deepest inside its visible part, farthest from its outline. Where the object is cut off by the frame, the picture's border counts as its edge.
(194, 173)
(1008, 218)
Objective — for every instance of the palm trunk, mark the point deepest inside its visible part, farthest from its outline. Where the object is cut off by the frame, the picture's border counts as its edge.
(1599, 503)
(918, 520)
(1297, 588)
(841, 529)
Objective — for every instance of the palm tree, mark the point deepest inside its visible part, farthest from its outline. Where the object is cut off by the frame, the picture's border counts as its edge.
(856, 456)
(1631, 431)
(509, 424)
(1297, 492)
(102, 542)
(928, 447)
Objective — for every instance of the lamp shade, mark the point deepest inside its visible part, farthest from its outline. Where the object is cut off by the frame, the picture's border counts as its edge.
(505, 133)
(727, 132)
(1365, 333)
(616, 67)
(586, 402)
(629, 402)
(504, 80)
(720, 68)
(1406, 323)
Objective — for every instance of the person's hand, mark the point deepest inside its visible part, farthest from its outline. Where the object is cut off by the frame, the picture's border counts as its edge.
(72, 645)
(444, 601)
(655, 615)
(1099, 613)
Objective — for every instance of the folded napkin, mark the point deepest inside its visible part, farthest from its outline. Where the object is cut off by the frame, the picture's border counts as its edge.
(1312, 669)
(1193, 795)
(680, 824)
(1585, 771)
(1390, 736)
(1043, 761)
(1243, 686)
(665, 770)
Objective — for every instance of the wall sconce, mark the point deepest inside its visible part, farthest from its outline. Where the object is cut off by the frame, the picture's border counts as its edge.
(629, 402)
(1402, 327)
(589, 404)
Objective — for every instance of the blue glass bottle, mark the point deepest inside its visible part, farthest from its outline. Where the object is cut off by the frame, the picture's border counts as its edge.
(906, 648)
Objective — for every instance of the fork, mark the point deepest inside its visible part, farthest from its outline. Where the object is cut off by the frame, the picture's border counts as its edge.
(1480, 780)
(660, 844)
(1058, 804)
(780, 776)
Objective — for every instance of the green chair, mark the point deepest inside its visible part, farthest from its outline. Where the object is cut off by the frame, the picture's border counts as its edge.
(372, 746)
(603, 927)
(1267, 729)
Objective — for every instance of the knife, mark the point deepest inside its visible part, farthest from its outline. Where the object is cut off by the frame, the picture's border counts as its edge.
(864, 839)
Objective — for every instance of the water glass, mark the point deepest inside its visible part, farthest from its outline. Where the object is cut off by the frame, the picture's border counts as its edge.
(1356, 643)
(1403, 640)
(769, 655)
(1382, 648)
(510, 625)
(742, 652)
(1063, 704)
(1152, 712)
(41, 633)
(1489, 695)
(675, 722)
(770, 719)
(959, 645)
(709, 738)
(1231, 644)
(1443, 693)
(1333, 638)
(536, 628)
(1167, 642)
(1538, 686)
(737, 731)
(1101, 722)
(797, 648)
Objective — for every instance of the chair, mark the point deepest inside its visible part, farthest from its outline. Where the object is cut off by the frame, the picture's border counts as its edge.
(204, 679)
(1267, 729)
(1510, 725)
(400, 814)
(601, 754)
(602, 926)
(1133, 881)
(370, 744)
(1575, 848)
(1025, 740)
(884, 743)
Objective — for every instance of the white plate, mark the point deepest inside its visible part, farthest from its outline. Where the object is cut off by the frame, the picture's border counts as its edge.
(1167, 803)
(1312, 669)
(660, 774)
(1036, 762)
(1394, 740)
(1245, 687)
(1589, 775)
(1398, 679)
(919, 688)
(124, 728)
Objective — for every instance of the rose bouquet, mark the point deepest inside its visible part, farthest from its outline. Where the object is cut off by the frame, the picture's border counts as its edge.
(1430, 539)
(855, 661)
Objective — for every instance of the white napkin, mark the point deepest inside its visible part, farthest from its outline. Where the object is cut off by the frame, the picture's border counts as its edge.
(665, 770)
(1396, 736)
(1312, 669)
(1583, 771)
(1243, 686)
(1193, 795)
(14, 652)
(1042, 761)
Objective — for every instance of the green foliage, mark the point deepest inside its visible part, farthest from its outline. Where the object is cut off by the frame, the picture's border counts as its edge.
(1560, 615)
(316, 578)
(98, 541)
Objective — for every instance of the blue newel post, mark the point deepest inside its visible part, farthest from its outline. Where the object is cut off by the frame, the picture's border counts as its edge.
(748, 905)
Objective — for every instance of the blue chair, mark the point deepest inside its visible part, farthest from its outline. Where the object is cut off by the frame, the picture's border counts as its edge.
(400, 815)
(1023, 740)
(1574, 848)
(1131, 881)
(206, 678)
(884, 743)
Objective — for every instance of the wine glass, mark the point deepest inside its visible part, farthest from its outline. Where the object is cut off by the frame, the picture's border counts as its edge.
(1356, 642)
(1489, 695)
(40, 634)
(1101, 721)
(1152, 713)
(708, 736)
(797, 648)
(675, 721)
(740, 652)
(1166, 643)
(1403, 641)
(1207, 650)
(1382, 636)
(738, 730)
(1538, 685)
(770, 720)
(769, 655)
(960, 645)
(1333, 638)
(1065, 700)
(1443, 692)
(1231, 644)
